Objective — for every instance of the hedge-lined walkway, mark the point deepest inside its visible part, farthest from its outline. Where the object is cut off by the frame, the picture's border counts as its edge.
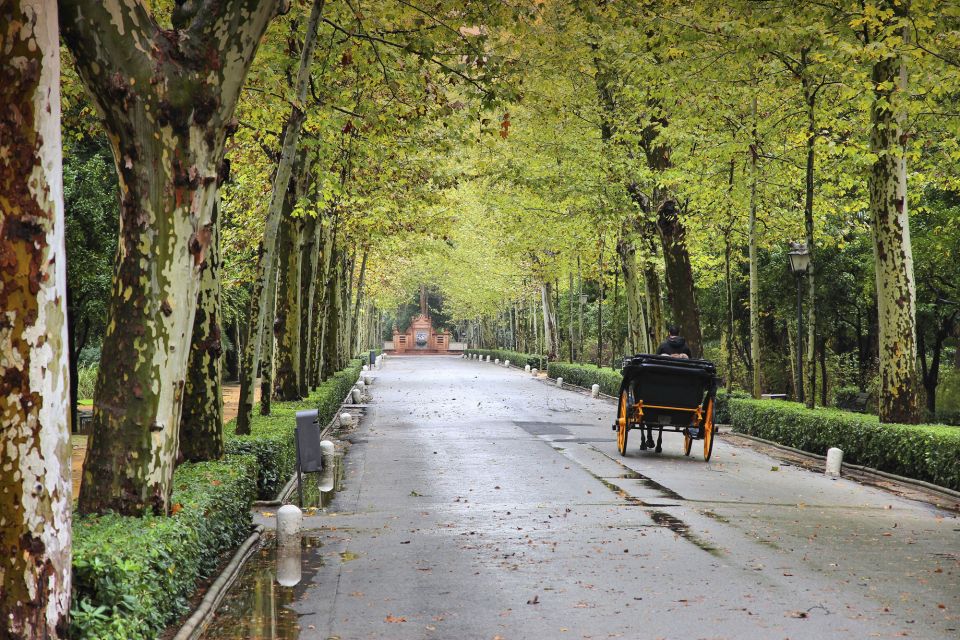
(481, 502)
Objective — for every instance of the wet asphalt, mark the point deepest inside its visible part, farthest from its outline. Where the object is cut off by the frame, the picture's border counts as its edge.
(479, 502)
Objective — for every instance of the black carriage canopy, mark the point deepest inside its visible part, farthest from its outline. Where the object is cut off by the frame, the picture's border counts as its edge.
(659, 382)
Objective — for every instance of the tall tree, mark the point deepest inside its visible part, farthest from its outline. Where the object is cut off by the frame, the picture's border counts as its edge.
(35, 518)
(890, 224)
(167, 98)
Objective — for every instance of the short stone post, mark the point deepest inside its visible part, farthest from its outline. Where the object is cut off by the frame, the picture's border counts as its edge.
(534, 372)
(834, 461)
(560, 382)
(506, 363)
(357, 395)
(595, 391)
(328, 453)
(346, 419)
(526, 368)
(496, 361)
(289, 524)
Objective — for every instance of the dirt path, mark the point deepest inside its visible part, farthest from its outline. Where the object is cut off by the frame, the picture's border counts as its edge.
(231, 405)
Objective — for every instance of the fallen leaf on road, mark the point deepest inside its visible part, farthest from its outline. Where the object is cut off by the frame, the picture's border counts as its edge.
(392, 618)
(797, 614)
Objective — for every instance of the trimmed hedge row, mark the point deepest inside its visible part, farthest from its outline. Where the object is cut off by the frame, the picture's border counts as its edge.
(923, 452)
(133, 576)
(587, 375)
(271, 437)
(515, 357)
(721, 405)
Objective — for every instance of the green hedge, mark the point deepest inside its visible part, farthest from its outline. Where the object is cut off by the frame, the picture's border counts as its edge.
(923, 452)
(587, 375)
(271, 437)
(133, 576)
(515, 357)
(721, 406)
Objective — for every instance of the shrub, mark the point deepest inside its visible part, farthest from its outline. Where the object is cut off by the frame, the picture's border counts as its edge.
(132, 576)
(721, 406)
(587, 375)
(515, 357)
(923, 452)
(86, 381)
(271, 437)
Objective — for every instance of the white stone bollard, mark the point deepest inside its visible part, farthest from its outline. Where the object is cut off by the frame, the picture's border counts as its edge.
(366, 367)
(595, 391)
(346, 419)
(327, 449)
(368, 380)
(496, 361)
(526, 368)
(357, 395)
(560, 382)
(534, 372)
(289, 524)
(289, 571)
(488, 358)
(834, 461)
(506, 363)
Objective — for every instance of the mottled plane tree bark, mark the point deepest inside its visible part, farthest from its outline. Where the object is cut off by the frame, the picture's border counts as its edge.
(890, 224)
(201, 422)
(35, 518)
(167, 98)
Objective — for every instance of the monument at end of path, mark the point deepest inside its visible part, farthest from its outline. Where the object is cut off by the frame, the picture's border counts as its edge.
(420, 337)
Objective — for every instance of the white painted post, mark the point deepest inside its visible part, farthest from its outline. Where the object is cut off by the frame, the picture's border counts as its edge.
(834, 461)
(595, 391)
(289, 524)
(496, 361)
(366, 367)
(506, 363)
(488, 358)
(346, 419)
(327, 449)
(357, 395)
(534, 372)
(526, 368)
(368, 380)
(560, 382)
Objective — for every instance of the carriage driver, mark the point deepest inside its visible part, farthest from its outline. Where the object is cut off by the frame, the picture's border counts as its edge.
(675, 345)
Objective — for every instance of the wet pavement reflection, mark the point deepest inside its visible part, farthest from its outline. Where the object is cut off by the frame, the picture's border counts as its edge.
(257, 607)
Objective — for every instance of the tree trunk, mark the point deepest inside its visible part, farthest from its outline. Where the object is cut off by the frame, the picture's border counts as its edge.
(332, 329)
(35, 488)
(754, 279)
(679, 275)
(287, 322)
(811, 100)
(288, 153)
(549, 321)
(308, 264)
(269, 350)
(893, 254)
(167, 99)
(356, 309)
(201, 426)
(249, 361)
(637, 332)
(731, 339)
(656, 327)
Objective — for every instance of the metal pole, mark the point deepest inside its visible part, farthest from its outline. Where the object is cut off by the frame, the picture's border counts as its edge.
(800, 337)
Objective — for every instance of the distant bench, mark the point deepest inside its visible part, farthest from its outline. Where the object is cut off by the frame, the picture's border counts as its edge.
(773, 396)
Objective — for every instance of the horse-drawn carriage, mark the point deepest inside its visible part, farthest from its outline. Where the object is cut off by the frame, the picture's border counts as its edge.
(664, 393)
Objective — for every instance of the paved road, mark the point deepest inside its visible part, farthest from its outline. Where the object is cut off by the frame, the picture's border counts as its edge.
(481, 503)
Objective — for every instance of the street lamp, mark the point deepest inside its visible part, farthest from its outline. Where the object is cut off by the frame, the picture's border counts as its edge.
(799, 265)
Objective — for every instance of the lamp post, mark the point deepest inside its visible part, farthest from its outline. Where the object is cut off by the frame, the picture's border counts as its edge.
(799, 264)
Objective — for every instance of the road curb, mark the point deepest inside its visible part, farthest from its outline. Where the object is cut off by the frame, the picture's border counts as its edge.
(950, 493)
(198, 621)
